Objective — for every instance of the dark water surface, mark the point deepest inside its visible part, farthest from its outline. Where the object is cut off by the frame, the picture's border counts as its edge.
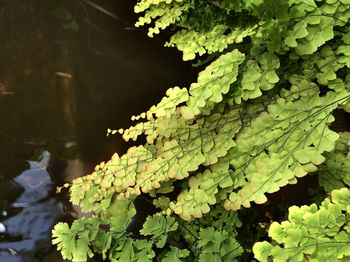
(68, 71)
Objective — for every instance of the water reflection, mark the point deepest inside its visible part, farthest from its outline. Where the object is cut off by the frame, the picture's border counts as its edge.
(30, 228)
(61, 87)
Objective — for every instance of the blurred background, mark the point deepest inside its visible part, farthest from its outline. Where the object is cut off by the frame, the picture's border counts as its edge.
(69, 69)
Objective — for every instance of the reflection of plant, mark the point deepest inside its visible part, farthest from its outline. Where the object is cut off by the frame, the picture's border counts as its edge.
(67, 18)
(256, 120)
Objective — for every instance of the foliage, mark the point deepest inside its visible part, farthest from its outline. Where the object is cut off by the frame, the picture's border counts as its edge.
(159, 226)
(218, 246)
(311, 233)
(335, 172)
(175, 254)
(73, 242)
(257, 119)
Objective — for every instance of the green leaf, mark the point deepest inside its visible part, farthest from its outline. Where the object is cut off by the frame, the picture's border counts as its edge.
(119, 214)
(278, 254)
(290, 41)
(262, 251)
(65, 240)
(159, 227)
(276, 232)
(309, 233)
(272, 77)
(82, 251)
(215, 151)
(218, 245)
(174, 254)
(102, 242)
(74, 242)
(346, 38)
(201, 196)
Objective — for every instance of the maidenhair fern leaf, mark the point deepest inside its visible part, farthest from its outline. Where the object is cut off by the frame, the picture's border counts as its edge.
(175, 254)
(74, 241)
(213, 82)
(311, 233)
(119, 214)
(145, 4)
(258, 77)
(158, 227)
(292, 138)
(218, 246)
(132, 250)
(335, 172)
(257, 118)
(102, 242)
(164, 15)
(191, 42)
(64, 239)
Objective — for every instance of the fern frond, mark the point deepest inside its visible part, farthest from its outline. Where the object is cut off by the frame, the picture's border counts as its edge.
(311, 233)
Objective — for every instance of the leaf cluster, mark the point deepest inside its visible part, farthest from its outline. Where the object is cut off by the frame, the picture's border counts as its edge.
(257, 119)
(311, 233)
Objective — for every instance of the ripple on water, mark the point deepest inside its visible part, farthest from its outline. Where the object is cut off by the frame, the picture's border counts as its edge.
(30, 229)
